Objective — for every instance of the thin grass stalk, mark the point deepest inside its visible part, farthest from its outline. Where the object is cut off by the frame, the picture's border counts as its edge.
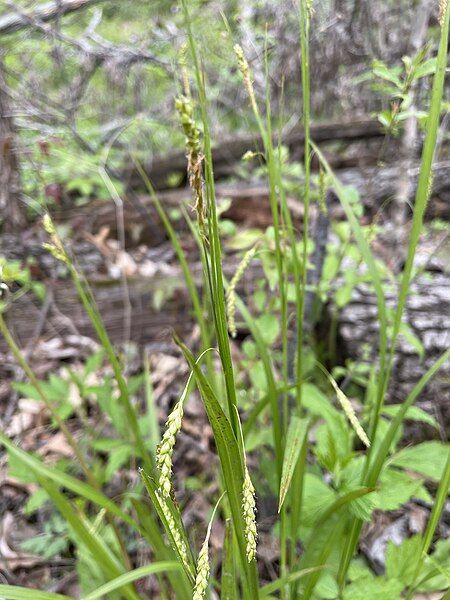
(91, 308)
(266, 135)
(215, 274)
(304, 24)
(181, 256)
(305, 75)
(421, 201)
(423, 192)
(433, 522)
(4, 330)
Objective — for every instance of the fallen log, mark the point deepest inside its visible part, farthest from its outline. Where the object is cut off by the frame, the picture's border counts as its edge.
(250, 205)
(428, 315)
(160, 304)
(230, 151)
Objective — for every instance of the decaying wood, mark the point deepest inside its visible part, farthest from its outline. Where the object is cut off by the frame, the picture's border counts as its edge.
(229, 152)
(428, 315)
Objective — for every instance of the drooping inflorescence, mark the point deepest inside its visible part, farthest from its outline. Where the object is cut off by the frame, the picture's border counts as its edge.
(442, 8)
(201, 579)
(231, 293)
(178, 541)
(350, 413)
(165, 448)
(194, 155)
(249, 510)
(55, 247)
(246, 75)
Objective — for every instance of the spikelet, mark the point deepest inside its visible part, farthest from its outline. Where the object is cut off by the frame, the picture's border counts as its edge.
(201, 579)
(182, 61)
(202, 575)
(246, 75)
(56, 247)
(194, 156)
(309, 8)
(442, 10)
(165, 448)
(231, 293)
(180, 546)
(164, 451)
(351, 415)
(249, 510)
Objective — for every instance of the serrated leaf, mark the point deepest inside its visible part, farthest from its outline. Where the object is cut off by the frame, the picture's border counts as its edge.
(414, 413)
(401, 560)
(375, 587)
(296, 436)
(427, 458)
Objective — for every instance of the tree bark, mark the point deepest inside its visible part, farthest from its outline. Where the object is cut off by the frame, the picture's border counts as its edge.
(11, 208)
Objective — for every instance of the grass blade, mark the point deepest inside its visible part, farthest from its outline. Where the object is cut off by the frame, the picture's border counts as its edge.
(76, 486)
(99, 551)
(231, 462)
(13, 592)
(134, 575)
(296, 437)
(229, 578)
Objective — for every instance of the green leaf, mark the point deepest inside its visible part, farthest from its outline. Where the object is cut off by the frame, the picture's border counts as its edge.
(296, 436)
(373, 587)
(63, 479)
(12, 592)
(228, 582)
(87, 537)
(427, 459)
(401, 559)
(395, 489)
(414, 413)
(134, 575)
(270, 328)
(230, 460)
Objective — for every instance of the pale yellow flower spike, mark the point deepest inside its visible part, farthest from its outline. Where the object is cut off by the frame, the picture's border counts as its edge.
(249, 510)
(56, 247)
(442, 10)
(202, 577)
(351, 415)
(180, 545)
(231, 292)
(164, 451)
(246, 75)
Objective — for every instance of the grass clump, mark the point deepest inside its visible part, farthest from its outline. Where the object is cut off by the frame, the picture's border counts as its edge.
(327, 483)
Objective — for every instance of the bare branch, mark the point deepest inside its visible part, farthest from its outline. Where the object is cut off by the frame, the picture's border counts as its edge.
(10, 23)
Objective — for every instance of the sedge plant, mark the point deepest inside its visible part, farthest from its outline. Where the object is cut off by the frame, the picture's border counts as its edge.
(309, 424)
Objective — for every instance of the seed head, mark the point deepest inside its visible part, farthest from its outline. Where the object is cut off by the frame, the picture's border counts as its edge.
(246, 75)
(56, 247)
(194, 156)
(249, 510)
(179, 544)
(442, 10)
(201, 579)
(231, 293)
(349, 411)
(165, 449)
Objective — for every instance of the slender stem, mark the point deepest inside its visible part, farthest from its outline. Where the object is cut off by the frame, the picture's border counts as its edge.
(37, 386)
